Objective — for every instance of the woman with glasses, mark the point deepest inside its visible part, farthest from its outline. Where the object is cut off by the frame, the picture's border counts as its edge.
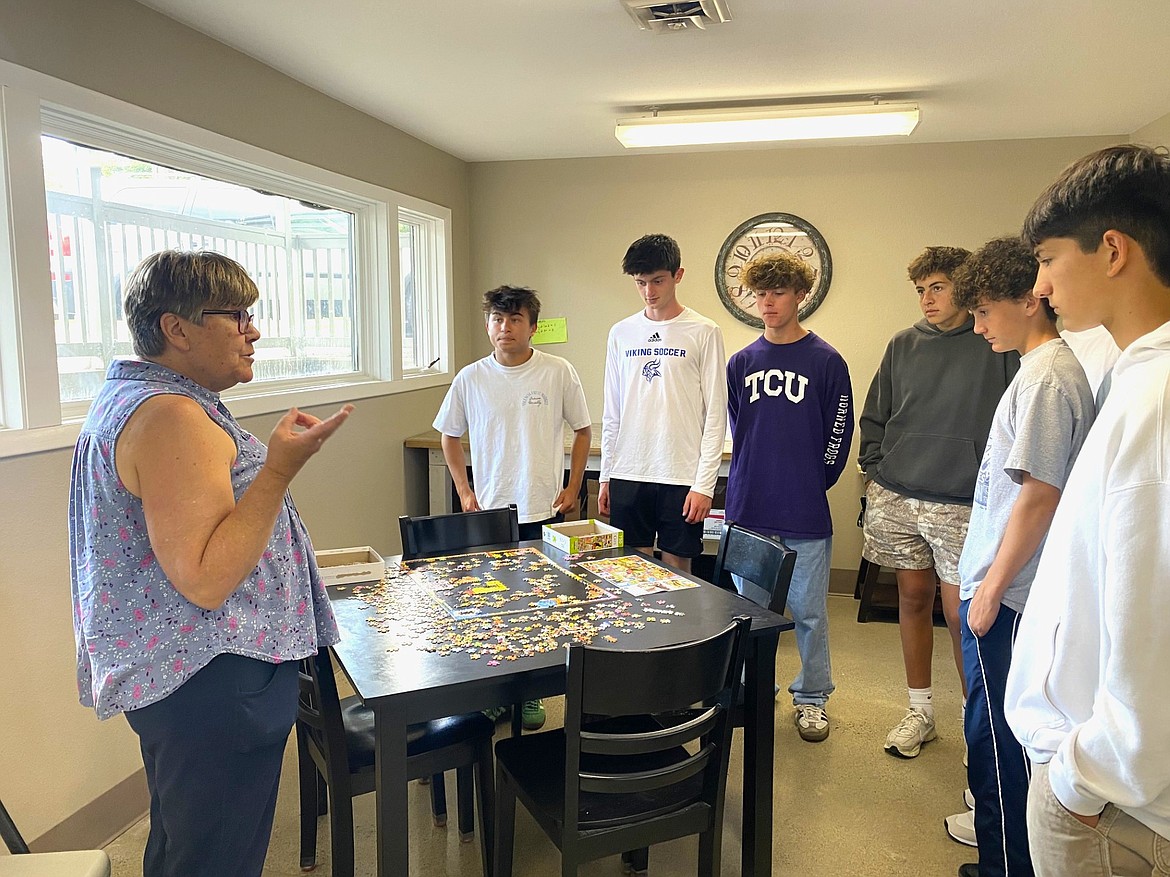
(195, 588)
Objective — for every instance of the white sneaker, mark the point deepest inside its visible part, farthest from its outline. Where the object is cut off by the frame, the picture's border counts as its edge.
(812, 723)
(968, 799)
(906, 740)
(961, 827)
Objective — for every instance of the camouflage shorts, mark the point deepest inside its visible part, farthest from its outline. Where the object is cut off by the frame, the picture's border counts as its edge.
(904, 533)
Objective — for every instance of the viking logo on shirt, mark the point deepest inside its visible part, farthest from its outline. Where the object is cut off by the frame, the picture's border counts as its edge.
(652, 370)
(776, 382)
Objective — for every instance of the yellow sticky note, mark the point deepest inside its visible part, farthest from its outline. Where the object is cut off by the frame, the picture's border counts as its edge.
(552, 331)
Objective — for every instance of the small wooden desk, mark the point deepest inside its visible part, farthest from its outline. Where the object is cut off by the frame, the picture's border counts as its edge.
(409, 685)
(425, 449)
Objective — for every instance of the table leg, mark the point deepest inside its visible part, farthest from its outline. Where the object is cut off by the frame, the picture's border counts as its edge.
(758, 754)
(390, 791)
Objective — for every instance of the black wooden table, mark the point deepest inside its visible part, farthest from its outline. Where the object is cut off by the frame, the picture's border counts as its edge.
(407, 685)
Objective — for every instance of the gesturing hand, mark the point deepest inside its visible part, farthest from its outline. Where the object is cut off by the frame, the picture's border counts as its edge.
(298, 436)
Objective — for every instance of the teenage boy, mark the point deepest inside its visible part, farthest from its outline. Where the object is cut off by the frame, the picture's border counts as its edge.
(1039, 427)
(514, 403)
(791, 411)
(1086, 690)
(923, 431)
(665, 412)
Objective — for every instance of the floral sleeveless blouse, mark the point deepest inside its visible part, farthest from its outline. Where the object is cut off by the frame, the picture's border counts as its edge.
(138, 639)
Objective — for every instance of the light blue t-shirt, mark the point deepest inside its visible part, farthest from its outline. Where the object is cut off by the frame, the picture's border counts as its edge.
(1038, 429)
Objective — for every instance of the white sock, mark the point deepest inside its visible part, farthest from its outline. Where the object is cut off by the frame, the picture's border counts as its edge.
(920, 699)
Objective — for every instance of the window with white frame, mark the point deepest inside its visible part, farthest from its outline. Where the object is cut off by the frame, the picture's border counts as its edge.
(354, 278)
(424, 312)
(107, 212)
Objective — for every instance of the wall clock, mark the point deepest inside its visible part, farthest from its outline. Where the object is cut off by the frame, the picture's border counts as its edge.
(760, 236)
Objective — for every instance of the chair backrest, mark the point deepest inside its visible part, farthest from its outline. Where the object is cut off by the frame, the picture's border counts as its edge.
(10, 833)
(678, 696)
(319, 717)
(80, 863)
(440, 534)
(764, 561)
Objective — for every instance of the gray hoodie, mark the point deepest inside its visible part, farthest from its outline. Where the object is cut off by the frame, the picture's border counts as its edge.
(929, 410)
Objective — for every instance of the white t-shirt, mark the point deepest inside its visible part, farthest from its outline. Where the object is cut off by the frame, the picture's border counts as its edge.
(665, 401)
(515, 416)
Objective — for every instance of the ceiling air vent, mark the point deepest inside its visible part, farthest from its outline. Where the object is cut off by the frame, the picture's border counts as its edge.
(663, 17)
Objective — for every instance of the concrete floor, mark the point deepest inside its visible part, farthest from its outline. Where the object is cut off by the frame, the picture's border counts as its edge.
(843, 807)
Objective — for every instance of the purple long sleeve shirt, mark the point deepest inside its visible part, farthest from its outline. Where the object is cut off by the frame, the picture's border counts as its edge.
(791, 411)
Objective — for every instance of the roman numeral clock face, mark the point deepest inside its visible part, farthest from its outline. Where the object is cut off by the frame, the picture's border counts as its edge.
(764, 235)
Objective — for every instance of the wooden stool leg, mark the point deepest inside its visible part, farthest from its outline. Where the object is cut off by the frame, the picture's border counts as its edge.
(867, 585)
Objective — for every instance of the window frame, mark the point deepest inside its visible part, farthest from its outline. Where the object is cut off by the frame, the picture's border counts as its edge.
(32, 417)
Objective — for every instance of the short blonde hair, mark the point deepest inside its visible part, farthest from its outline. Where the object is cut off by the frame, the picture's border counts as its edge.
(778, 271)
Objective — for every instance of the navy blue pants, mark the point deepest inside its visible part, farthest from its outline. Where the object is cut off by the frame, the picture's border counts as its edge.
(212, 751)
(998, 771)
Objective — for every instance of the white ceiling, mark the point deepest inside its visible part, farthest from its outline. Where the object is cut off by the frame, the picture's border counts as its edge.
(520, 79)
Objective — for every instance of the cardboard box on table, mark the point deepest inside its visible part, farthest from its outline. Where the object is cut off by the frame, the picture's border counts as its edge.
(574, 537)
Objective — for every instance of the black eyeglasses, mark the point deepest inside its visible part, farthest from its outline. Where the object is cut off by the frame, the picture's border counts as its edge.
(243, 317)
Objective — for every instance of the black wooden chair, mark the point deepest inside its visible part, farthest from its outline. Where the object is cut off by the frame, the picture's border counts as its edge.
(650, 765)
(764, 561)
(83, 863)
(335, 747)
(441, 534)
(767, 563)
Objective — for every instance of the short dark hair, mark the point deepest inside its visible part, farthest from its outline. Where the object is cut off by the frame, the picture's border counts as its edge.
(184, 283)
(512, 300)
(778, 271)
(1003, 269)
(937, 260)
(1125, 188)
(653, 252)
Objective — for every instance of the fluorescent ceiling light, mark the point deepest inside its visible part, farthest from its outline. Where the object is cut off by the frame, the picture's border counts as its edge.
(810, 122)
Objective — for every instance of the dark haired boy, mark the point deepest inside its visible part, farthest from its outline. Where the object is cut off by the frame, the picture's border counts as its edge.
(514, 403)
(923, 430)
(1039, 427)
(791, 411)
(1085, 693)
(665, 411)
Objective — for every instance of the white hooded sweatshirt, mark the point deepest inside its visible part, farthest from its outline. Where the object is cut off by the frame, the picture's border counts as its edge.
(1089, 686)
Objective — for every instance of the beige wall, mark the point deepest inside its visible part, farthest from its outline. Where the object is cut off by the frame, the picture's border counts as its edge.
(1157, 133)
(562, 227)
(56, 756)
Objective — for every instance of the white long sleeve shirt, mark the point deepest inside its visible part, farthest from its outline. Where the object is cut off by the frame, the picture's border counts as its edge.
(665, 412)
(1087, 686)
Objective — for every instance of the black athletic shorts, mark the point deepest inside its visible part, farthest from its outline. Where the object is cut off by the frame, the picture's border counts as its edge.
(535, 529)
(641, 509)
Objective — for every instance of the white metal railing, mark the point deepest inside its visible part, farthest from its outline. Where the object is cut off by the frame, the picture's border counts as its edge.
(305, 312)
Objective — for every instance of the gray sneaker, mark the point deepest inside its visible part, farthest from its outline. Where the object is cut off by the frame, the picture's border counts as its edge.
(812, 723)
(906, 740)
(961, 827)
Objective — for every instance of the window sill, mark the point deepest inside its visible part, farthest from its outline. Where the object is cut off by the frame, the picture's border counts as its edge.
(241, 402)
